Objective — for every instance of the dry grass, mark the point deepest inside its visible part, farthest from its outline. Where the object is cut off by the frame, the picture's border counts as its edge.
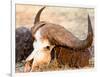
(53, 66)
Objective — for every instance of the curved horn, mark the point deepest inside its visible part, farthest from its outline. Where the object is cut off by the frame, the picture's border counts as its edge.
(82, 44)
(60, 36)
(37, 18)
(88, 41)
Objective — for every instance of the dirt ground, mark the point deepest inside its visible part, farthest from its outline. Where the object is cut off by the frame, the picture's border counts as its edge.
(73, 19)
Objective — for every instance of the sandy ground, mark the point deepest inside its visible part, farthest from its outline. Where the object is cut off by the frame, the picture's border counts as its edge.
(73, 19)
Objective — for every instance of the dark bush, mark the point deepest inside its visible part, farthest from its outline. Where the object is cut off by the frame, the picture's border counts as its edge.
(24, 43)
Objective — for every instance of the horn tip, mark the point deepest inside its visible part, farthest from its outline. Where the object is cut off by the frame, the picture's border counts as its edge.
(89, 25)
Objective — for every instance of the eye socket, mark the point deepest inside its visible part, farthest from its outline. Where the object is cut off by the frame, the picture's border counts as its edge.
(47, 47)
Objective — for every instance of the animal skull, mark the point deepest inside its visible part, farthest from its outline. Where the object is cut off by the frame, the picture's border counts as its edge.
(41, 53)
(47, 35)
